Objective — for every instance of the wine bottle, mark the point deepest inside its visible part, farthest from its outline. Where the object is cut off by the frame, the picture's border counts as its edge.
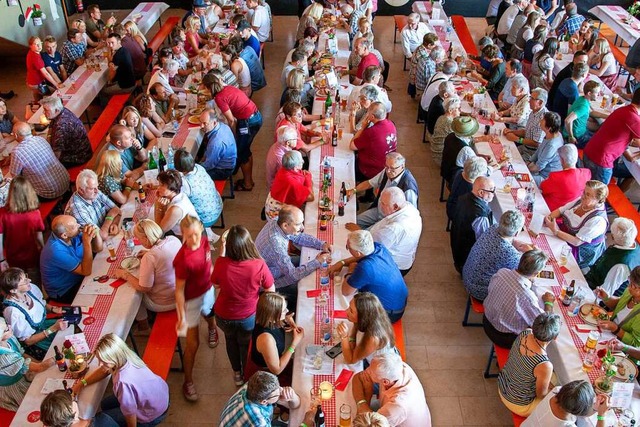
(162, 162)
(62, 364)
(142, 196)
(319, 420)
(568, 296)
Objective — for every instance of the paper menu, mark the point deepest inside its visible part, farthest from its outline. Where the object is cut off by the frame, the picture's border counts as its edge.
(51, 385)
(621, 395)
(93, 288)
(79, 342)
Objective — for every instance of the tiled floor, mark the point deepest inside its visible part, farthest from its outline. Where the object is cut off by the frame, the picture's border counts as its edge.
(448, 358)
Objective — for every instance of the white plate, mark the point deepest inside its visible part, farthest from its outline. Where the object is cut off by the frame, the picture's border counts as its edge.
(130, 263)
(629, 368)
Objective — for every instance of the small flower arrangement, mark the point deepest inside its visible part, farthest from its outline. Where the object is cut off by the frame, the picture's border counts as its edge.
(634, 9)
(610, 369)
(77, 362)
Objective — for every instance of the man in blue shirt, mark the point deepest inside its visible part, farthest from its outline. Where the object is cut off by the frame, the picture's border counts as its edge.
(218, 151)
(244, 31)
(568, 90)
(372, 269)
(67, 257)
(53, 59)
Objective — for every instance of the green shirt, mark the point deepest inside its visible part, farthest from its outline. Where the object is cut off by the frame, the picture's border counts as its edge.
(581, 107)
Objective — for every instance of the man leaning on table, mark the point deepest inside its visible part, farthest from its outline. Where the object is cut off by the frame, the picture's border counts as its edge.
(513, 289)
(67, 257)
(67, 135)
(273, 244)
(401, 396)
(89, 205)
(73, 51)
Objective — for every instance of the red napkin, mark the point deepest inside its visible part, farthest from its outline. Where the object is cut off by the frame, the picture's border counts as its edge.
(343, 379)
(313, 293)
(564, 270)
(117, 283)
(339, 314)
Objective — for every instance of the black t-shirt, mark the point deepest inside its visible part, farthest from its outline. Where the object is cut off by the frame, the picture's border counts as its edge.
(125, 76)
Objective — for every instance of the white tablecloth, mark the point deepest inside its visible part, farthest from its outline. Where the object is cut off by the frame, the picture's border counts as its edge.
(305, 312)
(146, 14)
(614, 17)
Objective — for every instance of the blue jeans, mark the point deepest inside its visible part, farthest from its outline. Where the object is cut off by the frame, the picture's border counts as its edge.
(112, 416)
(246, 130)
(598, 172)
(237, 336)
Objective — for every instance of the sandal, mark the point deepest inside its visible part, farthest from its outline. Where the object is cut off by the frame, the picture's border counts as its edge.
(241, 187)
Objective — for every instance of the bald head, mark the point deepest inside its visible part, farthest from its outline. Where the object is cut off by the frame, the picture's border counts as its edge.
(65, 227)
(484, 188)
(22, 130)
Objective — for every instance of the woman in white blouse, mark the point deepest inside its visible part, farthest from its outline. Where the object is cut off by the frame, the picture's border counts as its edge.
(172, 204)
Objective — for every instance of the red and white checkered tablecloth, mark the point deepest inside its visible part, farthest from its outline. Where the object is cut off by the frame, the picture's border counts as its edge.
(77, 85)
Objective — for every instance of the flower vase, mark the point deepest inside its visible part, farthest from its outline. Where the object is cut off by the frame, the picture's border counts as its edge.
(37, 21)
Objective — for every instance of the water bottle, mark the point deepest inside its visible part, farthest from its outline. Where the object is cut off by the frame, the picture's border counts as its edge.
(324, 275)
(170, 157)
(131, 246)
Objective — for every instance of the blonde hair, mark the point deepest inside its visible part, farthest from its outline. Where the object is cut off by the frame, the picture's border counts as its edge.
(600, 190)
(111, 349)
(603, 46)
(135, 31)
(295, 79)
(370, 419)
(150, 230)
(190, 24)
(128, 110)
(189, 221)
(269, 310)
(22, 197)
(110, 164)
(78, 23)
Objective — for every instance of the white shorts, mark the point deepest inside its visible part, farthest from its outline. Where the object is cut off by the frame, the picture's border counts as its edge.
(195, 307)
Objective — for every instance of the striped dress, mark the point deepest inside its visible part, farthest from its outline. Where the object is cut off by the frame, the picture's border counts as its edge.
(13, 384)
(516, 381)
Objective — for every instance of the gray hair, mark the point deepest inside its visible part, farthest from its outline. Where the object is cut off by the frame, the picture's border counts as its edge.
(520, 81)
(485, 41)
(361, 241)
(450, 103)
(438, 54)
(397, 158)
(532, 262)
(624, 232)
(286, 133)
(576, 397)
(291, 160)
(546, 327)
(346, 9)
(171, 65)
(261, 385)
(83, 178)
(378, 110)
(449, 67)
(213, 115)
(474, 167)
(365, 42)
(414, 17)
(446, 87)
(370, 92)
(53, 102)
(568, 155)
(308, 46)
(511, 223)
(388, 366)
(542, 94)
(395, 196)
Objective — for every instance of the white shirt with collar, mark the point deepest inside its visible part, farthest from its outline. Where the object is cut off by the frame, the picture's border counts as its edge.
(383, 96)
(507, 19)
(400, 232)
(261, 19)
(411, 38)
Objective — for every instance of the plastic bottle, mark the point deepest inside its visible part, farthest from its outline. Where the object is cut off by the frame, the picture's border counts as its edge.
(324, 274)
(170, 157)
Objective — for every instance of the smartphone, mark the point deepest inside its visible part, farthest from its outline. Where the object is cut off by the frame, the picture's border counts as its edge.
(334, 351)
(126, 221)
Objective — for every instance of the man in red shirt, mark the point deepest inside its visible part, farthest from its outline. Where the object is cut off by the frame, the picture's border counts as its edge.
(564, 186)
(376, 139)
(612, 139)
(362, 47)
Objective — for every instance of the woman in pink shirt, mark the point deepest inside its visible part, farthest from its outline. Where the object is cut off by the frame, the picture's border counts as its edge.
(240, 274)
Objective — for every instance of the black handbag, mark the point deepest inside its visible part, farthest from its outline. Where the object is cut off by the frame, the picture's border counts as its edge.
(44, 88)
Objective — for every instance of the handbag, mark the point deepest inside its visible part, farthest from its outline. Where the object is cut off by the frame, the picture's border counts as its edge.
(44, 88)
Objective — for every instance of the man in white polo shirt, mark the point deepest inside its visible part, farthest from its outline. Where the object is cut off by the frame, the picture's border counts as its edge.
(260, 20)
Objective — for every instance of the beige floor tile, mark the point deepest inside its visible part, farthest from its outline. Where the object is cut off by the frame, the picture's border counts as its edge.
(417, 357)
(487, 410)
(452, 382)
(458, 357)
(445, 411)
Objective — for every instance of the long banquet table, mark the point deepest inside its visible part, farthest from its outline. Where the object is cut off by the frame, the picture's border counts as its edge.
(566, 351)
(615, 17)
(309, 312)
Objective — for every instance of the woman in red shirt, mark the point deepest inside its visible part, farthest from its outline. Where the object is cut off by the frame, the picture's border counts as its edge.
(21, 229)
(291, 185)
(242, 116)
(293, 114)
(36, 70)
(194, 295)
(240, 274)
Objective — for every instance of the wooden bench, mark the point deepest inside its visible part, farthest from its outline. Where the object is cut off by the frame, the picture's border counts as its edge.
(400, 22)
(620, 57)
(622, 206)
(6, 417)
(501, 354)
(398, 331)
(163, 342)
(464, 35)
(101, 128)
(164, 32)
(477, 307)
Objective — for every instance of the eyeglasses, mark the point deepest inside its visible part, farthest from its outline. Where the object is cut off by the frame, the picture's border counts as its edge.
(392, 168)
(492, 191)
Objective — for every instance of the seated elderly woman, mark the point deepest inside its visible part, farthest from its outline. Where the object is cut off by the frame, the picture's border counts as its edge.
(546, 158)
(495, 249)
(463, 182)
(625, 322)
(198, 186)
(612, 269)
(517, 114)
(562, 406)
(26, 312)
(442, 127)
(286, 140)
(368, 95)
(16, 370)
(584, 223)
(291, 185)
(172, 204)
(526, 377)
(156, 279)
(562, 187)
(293, 113)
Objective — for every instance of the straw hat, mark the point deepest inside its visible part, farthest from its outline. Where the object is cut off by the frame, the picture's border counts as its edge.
(465, 126)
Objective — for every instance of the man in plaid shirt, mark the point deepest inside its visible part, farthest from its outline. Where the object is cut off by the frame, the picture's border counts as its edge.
(572, 24)
(252, 405)
(73, 51)
(419, 57)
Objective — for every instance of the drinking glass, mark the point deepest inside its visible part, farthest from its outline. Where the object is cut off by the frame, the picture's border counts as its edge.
(345, 415)
(315, 394)
(112, 250)
(564, 254)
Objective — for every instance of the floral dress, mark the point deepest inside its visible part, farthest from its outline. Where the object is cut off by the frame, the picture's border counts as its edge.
(199, 187)
(108, 184)
(520, 110)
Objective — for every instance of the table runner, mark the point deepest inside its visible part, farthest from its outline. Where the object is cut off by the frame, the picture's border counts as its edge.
(120, 256)
(77, 85)
(147, 7)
